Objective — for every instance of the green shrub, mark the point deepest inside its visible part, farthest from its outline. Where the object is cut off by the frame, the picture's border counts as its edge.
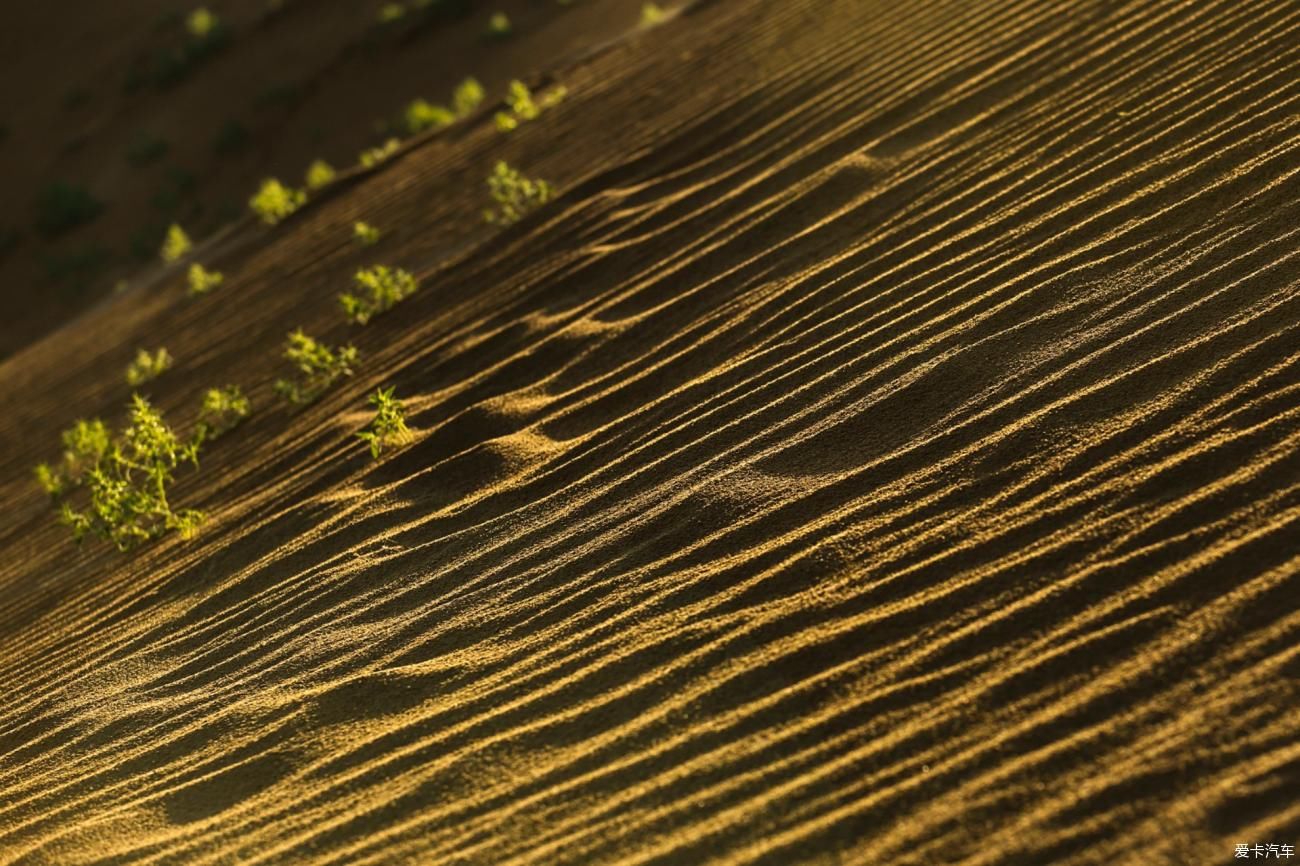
(85, 444)
(223, 409)
(384, 288)
(499, 26)
(201, 280)
(62, 207)
(201, 23)
(421, 115)
(375, 155)
(388, 427)
(320, 173)
(514, 194)
(467, 97)
(365, 234)
(651, 15)
(176, 245)
(522, 107)
(126, 482)
(316, 366)
(275, 201)
(147, 366)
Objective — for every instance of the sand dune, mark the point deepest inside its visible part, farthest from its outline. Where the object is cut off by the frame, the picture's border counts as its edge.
(883, 451)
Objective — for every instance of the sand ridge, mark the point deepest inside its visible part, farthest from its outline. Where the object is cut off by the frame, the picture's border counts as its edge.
(885, 450)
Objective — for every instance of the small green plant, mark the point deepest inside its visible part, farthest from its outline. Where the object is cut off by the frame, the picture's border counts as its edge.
(365, 234)
(176, 245)
(388, 427)
(274, 201)
(652, 15)
(421, 115)
(126, 480)
(201, 280)
(320, 173)
(514, 194)
(522, 107)
(373, 156)
(62, 207)
(316, 365)
(147, 366)
(390, 12)
(467, 97)
(201, 23)
(85, 444)
(384, 288)
(499, 26)
(223, 409)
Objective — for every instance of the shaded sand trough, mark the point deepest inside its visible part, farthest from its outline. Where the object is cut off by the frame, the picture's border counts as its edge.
(884, 451)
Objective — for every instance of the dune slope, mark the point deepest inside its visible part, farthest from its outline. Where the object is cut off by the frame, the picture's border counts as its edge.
(884, 450)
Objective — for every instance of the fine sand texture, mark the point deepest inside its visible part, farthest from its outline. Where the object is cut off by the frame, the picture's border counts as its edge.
(884, 450)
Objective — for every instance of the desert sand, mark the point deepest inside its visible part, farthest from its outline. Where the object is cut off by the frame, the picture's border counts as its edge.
(883, 450)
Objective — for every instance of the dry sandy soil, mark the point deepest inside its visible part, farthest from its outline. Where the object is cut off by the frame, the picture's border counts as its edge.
(883, 451)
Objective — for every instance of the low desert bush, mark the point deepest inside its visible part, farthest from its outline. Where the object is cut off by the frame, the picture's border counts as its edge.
(514, 194)
(201, 280)
(499, 26)
(319, 174)
(125, 478)
(466, 97)
(652, 14)
(274, 201)
(147, 366)
(388, 427)
(371, 157)
(380, 289)
(223, 409)
(365, 234)
(421, 115)
(522, 106)
(176, 245)
(316, 368)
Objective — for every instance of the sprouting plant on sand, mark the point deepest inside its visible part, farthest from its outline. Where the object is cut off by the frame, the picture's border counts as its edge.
(365, 234)
(466, 97)
(176, 245)
(126, 479)
(274, 201)
(388, 427)
(316, 366)
(652, 14)
(421, 115)
(522, 107)
(223, 409)
(499, 26)
(147, 366)
(85, 444)
(201, 23)
(373, 156)
(382, 287)
(514, 194)
(319, 174)
(201, 280)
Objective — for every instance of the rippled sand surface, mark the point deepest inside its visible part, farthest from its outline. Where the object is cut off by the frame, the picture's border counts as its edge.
(884, 451)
